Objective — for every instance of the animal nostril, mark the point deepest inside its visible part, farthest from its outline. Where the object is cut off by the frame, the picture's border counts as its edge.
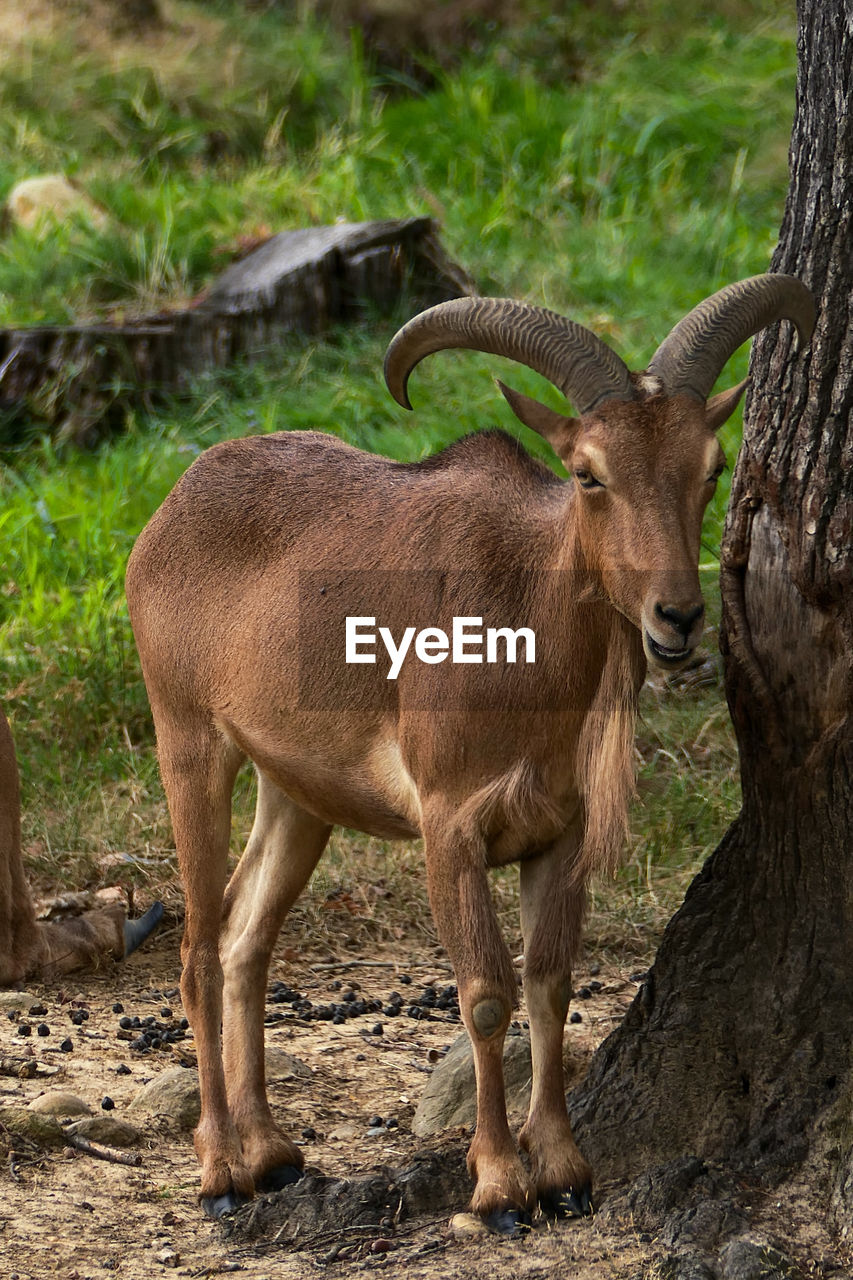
(682, 619)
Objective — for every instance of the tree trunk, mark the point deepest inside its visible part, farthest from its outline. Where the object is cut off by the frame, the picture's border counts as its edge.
(738, 1045)
(85, 376)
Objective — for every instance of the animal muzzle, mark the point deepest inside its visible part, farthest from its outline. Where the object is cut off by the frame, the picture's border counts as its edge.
(671, 632)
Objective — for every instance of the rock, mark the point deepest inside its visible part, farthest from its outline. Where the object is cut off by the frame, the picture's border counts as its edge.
(29, 1125)
(168, 1258)
(109, 1130)
(450, 1097)
(283, 1066)
(16, 999)
(36, 202)
(754, 1258)
(172, 1095)
(58, 1102)
(467, 1226)
(345, 1132)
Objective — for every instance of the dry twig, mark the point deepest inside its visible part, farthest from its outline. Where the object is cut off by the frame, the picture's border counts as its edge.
(110, 1154)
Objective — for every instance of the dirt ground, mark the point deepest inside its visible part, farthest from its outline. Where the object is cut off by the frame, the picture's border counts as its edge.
(66, 1213)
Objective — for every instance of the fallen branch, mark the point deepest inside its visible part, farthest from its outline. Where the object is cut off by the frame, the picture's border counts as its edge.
(110, 1154)
(26, 1068)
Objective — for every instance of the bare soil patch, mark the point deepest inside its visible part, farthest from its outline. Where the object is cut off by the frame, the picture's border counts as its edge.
(68, 1214)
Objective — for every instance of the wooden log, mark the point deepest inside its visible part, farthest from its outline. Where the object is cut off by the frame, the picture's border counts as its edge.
(305, 281)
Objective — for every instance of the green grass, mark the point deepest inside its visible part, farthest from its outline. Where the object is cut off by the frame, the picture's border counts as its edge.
(621, 196)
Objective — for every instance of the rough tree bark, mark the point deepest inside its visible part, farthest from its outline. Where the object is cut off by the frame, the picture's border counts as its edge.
(738, 1045)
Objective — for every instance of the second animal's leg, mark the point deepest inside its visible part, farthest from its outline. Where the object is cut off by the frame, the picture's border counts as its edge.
(467, 926)
(551, 917)
(283, 849)
(198, 768)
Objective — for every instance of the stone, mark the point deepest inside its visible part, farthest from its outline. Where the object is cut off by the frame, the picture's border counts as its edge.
(467, 1226)
(107, 1129)
(16, 999)
(172, 1095)
(25, 1124)
(59, 1102)
(281, 1065)
(450, 1097)
(345, 1132)
(36, 202)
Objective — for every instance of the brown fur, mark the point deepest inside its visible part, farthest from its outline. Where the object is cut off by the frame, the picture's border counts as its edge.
(29, 948)
(238, 591)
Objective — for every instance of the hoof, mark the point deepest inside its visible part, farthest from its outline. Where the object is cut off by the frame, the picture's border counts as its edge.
(136, 931)
(219, 1206)
(511, 1223)
(284, 1175)
(568, 1203)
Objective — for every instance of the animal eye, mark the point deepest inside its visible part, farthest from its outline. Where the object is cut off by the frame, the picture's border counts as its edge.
(587, 480)
(716, 473)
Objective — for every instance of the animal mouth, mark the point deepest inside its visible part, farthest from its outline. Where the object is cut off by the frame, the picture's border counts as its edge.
(666, 657)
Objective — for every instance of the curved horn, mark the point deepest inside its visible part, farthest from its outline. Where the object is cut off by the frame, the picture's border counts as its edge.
(574, 359)
(136, 931)
(691, 357)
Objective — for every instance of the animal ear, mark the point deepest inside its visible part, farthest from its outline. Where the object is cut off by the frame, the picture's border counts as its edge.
(556, 428)
(721, 407)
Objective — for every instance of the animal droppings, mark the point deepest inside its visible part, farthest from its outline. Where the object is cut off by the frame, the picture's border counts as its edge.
(145, 1034)
(432, 1003)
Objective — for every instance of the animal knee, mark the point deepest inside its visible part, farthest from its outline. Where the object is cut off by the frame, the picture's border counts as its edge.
(242, 958)
(490, 1017)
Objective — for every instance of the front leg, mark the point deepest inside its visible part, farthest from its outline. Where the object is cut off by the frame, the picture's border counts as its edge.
(467, 926)
(551, 915)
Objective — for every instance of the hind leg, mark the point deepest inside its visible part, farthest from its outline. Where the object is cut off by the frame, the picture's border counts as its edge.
(198, 767)
(551, 916)
(283, 849)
